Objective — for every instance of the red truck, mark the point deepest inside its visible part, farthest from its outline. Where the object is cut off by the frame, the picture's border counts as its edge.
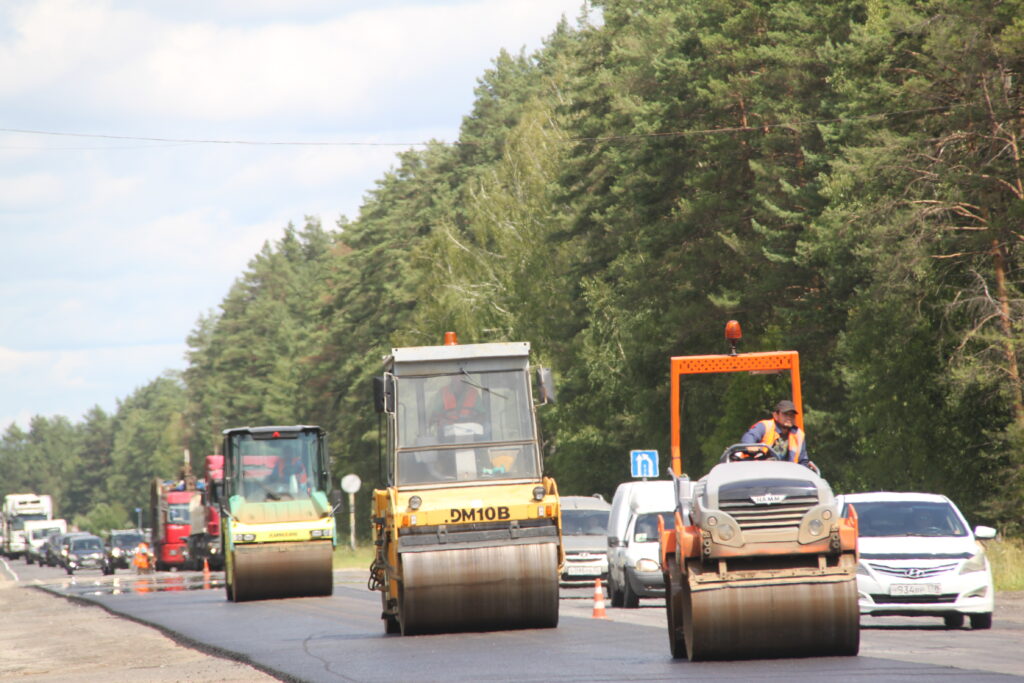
(204, 541)
(169, 510)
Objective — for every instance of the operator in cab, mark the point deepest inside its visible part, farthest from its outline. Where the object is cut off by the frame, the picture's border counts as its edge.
(781, 434)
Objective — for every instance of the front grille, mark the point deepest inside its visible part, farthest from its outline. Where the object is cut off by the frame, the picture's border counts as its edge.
(913, 572)
(751, 516)
(883, 599)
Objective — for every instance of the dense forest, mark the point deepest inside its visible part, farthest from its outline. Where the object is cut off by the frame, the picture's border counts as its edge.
(844, 178)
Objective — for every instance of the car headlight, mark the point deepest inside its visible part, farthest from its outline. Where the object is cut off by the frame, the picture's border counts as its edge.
(116, 552)
(320, 533)
(646, 565)
(244, 538)
(815, 527)
(975, 564)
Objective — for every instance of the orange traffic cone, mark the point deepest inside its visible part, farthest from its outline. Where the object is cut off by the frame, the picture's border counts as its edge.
(206, 574)
(599, 612)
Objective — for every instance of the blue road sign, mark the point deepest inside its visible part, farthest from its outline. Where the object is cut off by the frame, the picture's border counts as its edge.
(643, 463)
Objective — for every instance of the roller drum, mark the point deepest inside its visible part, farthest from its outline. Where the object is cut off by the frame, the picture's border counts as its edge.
(775, 620)
(470, 589)
(282, 570)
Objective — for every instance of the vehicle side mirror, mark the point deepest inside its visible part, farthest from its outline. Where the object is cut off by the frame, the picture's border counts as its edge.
(613, 542)
(984, 533)
(546, 385)
(384, 394)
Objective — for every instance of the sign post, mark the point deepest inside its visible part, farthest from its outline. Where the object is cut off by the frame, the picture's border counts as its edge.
(138, 516)
(350, 484)
(643, 464)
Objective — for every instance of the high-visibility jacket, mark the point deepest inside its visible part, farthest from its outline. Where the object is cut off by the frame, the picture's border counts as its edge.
(286, 468)
(766, 431)
(455, 409)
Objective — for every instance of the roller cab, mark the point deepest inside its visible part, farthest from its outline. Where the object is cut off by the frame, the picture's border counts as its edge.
(277, 525)
(757, 563)
(467, 530)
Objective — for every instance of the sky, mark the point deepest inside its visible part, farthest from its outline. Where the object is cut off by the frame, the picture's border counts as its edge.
(118, 230)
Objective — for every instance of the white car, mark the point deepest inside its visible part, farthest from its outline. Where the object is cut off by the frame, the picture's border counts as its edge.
(918, 557)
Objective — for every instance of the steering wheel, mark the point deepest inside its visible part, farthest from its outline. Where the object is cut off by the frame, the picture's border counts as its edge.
(740, 452)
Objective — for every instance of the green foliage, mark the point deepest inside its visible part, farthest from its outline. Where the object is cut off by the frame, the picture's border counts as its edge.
(844, 178)
(104, 517)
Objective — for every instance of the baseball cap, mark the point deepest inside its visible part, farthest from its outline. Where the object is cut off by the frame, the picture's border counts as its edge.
(785, 406)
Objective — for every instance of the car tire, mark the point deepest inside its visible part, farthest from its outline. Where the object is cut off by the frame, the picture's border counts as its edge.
(630, 600)
(981, 621)
(614, 594)
(953, 620)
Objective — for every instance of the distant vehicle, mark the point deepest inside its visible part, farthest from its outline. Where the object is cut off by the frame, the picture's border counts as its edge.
(585, 538)
(50, 551)
(204, 517)
(19, 508)
(169, 510)
(918, 557)
(634, 551)
(36, 532)
(63, 542)
(86, 552)
(121, 546)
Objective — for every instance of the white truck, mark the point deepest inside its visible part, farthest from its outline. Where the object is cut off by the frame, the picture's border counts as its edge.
(36, 532)
(18, 509)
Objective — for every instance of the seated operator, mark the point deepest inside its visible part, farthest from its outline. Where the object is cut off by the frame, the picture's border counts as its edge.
(457, 402)
(781, 435)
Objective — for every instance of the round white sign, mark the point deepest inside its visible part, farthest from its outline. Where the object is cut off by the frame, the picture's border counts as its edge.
(350, 483)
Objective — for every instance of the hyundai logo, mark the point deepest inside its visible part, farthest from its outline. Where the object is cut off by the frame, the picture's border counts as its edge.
(769, 498)
(913, 573)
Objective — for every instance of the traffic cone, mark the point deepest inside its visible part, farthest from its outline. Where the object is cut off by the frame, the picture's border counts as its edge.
(599, 612)
(206, 574)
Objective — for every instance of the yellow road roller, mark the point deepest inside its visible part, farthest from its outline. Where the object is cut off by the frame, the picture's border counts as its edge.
(277, 524)
(757, 562)
(467, 530)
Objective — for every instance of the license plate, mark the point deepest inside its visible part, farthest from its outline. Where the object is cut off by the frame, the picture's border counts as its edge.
(914, 589)
(582, 571)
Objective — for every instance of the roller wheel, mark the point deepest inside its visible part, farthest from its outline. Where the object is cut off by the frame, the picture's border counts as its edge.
(630, 600)
(229, 584)
(742, 622)
(614, 594)
(981, 621)
(674, 609)
(953, 620)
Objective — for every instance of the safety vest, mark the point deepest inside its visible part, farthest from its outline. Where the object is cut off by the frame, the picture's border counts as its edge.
(452, 410)
(771, 435)
(294, 464)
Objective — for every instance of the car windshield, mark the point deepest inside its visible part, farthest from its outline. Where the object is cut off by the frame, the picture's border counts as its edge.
(43, 533)
(907, 518)
(177, 513)
(584, 522)
(646, 528)
(282, 467)
(470, 426)
(86, 544)
(126, 540)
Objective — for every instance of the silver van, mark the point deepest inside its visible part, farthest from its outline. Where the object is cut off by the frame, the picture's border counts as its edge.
(634, 564)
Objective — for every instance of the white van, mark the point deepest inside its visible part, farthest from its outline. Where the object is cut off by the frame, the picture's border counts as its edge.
(634, 564)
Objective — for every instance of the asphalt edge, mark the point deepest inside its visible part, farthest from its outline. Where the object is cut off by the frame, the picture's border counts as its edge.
(178, 638)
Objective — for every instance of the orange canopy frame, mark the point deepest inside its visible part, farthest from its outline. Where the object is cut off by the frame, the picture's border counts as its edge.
(760, 362)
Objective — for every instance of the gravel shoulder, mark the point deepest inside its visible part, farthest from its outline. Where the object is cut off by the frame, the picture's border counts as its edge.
(44, 637)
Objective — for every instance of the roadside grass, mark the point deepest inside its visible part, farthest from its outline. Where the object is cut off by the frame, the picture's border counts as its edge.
(360, 558)
(1007, 558)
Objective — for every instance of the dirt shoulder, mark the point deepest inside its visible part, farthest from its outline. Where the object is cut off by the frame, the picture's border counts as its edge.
(44, 637)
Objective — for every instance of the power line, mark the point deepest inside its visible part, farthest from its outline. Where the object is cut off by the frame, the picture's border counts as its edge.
(608, 138)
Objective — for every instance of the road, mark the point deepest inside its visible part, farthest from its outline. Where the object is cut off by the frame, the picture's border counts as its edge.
(341, 638)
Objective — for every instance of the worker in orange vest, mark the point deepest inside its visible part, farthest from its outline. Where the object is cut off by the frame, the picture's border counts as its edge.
(781, 434)
(143, 559)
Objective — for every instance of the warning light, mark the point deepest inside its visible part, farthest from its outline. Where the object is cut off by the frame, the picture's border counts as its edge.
(733, 333)
(277, 435)
(450, 339)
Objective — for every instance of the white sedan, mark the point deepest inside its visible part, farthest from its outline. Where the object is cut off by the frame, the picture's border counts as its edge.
(918, 557)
